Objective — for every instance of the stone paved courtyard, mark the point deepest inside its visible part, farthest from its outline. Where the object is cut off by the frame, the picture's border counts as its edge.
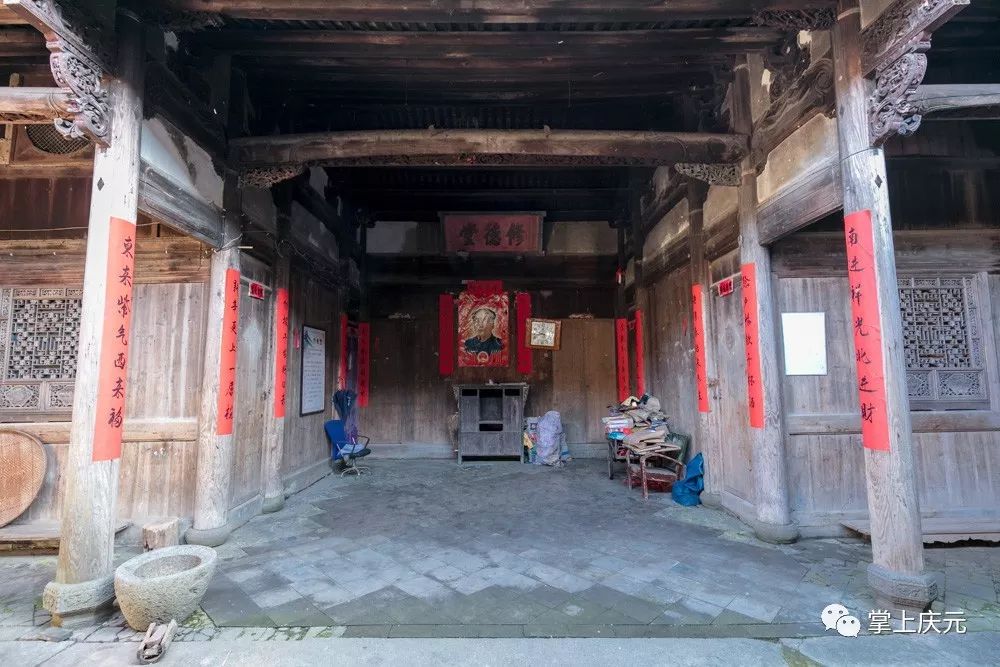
(432, 549)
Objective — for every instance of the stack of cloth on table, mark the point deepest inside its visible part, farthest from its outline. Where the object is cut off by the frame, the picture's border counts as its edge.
(636, 415)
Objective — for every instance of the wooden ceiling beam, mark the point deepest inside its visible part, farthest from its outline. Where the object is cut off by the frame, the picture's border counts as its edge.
(482, 147)
(431, 215)
(953, 101)
(490, 11)
(500, 45)
(35, 106)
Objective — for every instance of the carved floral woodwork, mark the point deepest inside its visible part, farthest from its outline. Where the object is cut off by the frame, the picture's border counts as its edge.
(713, 174)
(894, 51)
(796, 19)
(809, 94)
(265, 177)
(78, 57)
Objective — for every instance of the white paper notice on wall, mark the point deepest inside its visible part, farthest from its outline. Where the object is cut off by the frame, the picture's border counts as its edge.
(804, 336)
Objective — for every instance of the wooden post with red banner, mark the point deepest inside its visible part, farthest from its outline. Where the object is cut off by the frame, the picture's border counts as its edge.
(773, 522)
(84, 581)
(274, 437)
(897, 571)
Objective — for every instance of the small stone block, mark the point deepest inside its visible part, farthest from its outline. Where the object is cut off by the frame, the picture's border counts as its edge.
(162, 533)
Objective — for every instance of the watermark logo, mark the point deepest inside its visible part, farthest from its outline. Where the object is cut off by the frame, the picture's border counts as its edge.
(880, 622)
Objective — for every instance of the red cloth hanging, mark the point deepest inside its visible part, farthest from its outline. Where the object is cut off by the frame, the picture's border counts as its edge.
(446, 334)
(523, 309)
(621, 348)
(364, 362)
(640, 356)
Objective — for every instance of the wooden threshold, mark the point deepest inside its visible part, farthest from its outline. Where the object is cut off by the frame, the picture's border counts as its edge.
(36, 537)
(943, 529)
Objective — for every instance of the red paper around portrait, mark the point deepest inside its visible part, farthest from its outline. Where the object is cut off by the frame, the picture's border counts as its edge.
(227, 358)
(446, 335)
(755, 387)
(640, 356)
(109, 418)
(621, 355)
(860, 237)
(281, 351)
(700, 370)
(364, 362)
(522, 305)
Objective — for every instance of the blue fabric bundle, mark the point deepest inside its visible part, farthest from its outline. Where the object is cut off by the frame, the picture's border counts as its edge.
(688, 490)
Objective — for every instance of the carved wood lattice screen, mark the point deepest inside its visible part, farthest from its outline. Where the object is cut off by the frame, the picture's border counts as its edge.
(39, 333)
(943, 342)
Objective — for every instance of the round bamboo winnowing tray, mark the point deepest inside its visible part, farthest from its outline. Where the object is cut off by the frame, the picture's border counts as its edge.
(22, 471)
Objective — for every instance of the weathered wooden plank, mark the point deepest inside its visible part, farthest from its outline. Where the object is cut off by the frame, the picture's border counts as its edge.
(469, 147)
(34, 105)
(941, 529)
(951, 101)
(492, 11)
(952, 421)
(799, 204)
(136, 430)
(166, 201)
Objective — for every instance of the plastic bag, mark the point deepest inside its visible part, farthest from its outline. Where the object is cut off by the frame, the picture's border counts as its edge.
(688, 490)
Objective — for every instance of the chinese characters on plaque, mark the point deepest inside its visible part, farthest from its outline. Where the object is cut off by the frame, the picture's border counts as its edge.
(113, 371)
(751, 329)
(700, 371)
(867, 329)
(281, 351)
(227, 358)
(519, 233)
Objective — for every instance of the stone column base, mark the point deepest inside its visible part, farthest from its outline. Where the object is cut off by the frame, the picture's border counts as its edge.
(776, 533)
(208, 537)
(709, 499)
(897, 590)
(73, 605)
(272, 505)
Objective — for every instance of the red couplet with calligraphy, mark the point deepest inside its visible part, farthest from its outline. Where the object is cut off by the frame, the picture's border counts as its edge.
(493, 232)
(364, 362)
(700, 370)
(640, 356)
(867, 329)
(621, 354)
(227, 359)
(281, 351)
(113, 371)
(751, 329)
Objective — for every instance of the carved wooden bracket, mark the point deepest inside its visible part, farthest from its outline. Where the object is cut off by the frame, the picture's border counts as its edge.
(265, 177)
(796, 19)
(713, 174)
(810, 94)
(78, 58)
(894, 49)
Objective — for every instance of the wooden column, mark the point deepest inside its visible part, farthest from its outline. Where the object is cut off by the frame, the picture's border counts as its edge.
(215, 442)
(84, 581)
(897, 573)
(774, 523)
(706, 432)
(274, 437)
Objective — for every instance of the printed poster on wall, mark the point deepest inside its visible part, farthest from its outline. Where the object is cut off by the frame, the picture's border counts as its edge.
(483, 329)
(313, 370)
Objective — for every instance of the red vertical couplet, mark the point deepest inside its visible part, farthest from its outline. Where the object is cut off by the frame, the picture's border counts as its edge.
(364, 362)
(446, 334)
(640, 356)
(621, 350)
(867, 329)
(751, 328)
(522, 303)
(342, 362)
(281, 351)
(113, 371)
(227, 360)
(700, 369)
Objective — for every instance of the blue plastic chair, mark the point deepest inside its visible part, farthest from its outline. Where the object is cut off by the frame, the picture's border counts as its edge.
(346, 448)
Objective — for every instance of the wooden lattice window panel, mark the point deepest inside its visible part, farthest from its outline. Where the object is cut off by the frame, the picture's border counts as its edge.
(39, 333)
(943, 343)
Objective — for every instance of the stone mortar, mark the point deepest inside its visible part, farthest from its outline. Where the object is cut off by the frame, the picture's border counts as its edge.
(164, 584)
